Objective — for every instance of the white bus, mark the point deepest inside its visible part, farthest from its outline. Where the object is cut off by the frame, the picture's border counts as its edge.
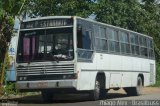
(64, 53)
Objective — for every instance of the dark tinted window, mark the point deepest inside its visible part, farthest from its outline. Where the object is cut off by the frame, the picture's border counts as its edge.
(144, 52)
(87, 38)
(112, 34)
(113, 40)
(104, 45)
(96, 31)
(124, 37)
(143, 41)
(101, 41)
(150, 43)
(150, 48)
(103, 32)
(134, 39)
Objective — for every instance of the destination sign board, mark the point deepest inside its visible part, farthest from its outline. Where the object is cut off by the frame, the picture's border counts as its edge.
(46, 23)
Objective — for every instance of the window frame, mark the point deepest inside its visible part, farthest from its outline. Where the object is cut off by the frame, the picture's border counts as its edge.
(133, 44)
(126, 43)
(100, 38)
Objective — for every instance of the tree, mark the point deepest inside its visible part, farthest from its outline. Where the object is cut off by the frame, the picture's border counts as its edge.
(8, 10)
(153, 24)
(58, 7)
(142, 17)
(122, 13)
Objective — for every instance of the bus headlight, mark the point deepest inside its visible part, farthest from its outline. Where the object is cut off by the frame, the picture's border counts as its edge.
(22, 78)
(64, 76)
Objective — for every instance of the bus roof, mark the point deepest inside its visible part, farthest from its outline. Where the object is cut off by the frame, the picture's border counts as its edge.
(93, 21)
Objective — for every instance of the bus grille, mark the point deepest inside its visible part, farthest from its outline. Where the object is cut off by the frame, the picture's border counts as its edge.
(45, 69)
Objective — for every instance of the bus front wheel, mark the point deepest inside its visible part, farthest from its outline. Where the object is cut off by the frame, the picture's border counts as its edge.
(47, 96)
(99, 91)
(94, 94)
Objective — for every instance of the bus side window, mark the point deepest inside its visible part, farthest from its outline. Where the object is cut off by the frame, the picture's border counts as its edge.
(124, 39)
(84, 39)
(113, 40)
(79, 37)
(143, 46)
(87, 40)
(150, 48)
(134, 44)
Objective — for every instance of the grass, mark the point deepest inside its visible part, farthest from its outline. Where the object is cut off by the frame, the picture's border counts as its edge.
(157, 84)
(10, 88)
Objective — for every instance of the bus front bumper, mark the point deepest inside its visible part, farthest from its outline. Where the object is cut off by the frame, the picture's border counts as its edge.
(46, 84)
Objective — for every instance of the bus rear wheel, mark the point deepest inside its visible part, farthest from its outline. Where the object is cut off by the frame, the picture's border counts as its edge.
(135, 91)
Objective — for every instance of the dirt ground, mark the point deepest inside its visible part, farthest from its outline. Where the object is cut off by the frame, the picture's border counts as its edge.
(151, 90)
(146, 90)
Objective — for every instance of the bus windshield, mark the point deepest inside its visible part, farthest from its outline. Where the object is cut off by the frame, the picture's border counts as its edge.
(54, 44)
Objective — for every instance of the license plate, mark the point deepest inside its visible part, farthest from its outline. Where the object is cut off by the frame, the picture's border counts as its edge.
(42, 84)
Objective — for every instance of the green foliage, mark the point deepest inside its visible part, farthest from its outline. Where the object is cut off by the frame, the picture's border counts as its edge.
(12, 7)
(58, 7)
(10, 88)
(8, 10)
(133, 15)
(158, 72)
(157, 84)
(10, 21)
(1, 14)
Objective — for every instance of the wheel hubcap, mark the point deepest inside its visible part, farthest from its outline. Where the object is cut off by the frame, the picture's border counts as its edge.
(97, 88)
(139, 86)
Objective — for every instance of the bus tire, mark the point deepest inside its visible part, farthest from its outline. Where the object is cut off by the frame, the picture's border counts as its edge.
(95, 94)
(135, 91)
(47, 96)
(99, 91)
(103, 93)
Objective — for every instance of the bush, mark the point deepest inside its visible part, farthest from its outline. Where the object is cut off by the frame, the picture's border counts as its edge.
(157, 84)
(158, 72)
(10, 88)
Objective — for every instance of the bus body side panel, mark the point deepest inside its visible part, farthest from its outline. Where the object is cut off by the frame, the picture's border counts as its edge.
(86, 80)
(111, 65)
(87, 75)
(140, 66)
(120, 71)
(149, 78)
(131, 67)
